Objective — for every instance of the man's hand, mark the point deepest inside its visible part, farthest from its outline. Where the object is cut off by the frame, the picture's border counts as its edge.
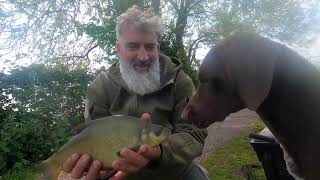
(79, 166)
(134, 161)
(82, 165)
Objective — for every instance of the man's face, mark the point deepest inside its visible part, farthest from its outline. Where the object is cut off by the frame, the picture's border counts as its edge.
(139, 61)
(139, 48)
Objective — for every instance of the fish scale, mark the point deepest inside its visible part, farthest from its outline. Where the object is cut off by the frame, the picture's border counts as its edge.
(103, 139)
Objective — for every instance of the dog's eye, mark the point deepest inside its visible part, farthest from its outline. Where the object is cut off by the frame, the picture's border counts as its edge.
(216, 85)
(202, 79)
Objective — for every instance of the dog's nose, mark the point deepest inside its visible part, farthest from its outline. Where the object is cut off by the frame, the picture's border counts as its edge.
(184, 115)
(187, 113)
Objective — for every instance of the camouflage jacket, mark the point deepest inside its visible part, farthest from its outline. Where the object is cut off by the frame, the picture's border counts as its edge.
(108, 95)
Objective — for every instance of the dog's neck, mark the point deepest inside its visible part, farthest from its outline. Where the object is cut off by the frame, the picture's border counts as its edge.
(291, 110)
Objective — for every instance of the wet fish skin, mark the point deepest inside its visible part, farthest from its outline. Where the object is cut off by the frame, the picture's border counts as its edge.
(103, 139)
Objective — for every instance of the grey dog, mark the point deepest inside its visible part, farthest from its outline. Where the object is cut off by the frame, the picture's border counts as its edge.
(246, 70)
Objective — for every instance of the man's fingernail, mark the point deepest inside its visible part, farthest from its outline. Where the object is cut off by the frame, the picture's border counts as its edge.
(115, 165)
(123, 152)
(74, 156)
(96, 164)
(143, 149)
(85, 157)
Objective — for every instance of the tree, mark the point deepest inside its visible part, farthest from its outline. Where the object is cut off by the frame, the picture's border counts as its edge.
(27, 138)
(53, 92)
(47, 102)
(285, 20)
(84, 30)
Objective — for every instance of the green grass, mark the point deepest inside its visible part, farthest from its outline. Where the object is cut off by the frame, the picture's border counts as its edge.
(21, 175)
(227, 161)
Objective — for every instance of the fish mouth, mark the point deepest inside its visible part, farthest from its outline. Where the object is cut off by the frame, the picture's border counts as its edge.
(155, 136)
(165, 132)
(162, 134)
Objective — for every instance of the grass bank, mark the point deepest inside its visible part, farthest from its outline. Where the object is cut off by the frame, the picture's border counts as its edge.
(21, 175)
(226, 162)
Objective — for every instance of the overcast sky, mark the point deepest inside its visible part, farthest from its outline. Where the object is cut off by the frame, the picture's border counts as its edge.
(310, 51)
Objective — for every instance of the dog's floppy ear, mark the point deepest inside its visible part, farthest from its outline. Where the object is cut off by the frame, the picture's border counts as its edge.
(249, 59)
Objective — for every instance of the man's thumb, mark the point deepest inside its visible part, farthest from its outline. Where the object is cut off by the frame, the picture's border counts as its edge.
(146, 118)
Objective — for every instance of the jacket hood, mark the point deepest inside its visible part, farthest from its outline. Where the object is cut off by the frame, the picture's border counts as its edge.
(169, 67)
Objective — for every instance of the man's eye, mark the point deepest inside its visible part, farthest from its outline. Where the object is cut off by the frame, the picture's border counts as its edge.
(149, 47)
(133, 46)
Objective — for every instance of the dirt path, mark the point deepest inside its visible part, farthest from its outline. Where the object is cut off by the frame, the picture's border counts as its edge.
(220, 132)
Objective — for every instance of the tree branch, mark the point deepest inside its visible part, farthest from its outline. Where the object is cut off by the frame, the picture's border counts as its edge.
(195, 42)
(86, 55)
(174, 4)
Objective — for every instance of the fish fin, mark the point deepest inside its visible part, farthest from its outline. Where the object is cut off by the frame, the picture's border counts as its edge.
(49, 169)
(78, 128)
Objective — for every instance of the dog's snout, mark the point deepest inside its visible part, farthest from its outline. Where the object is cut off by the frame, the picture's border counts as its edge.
(184, 115)
(188, 113)
(191, 112)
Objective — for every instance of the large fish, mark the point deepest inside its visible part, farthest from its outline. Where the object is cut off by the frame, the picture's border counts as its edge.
(103, 139)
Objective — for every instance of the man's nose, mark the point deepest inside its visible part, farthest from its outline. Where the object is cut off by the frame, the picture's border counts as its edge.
(143, 54)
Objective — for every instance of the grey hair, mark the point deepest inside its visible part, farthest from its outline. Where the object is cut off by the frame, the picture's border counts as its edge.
(135, 18)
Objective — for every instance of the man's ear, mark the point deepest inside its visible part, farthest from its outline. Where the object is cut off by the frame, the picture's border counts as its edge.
(158, 47)
(118, 47)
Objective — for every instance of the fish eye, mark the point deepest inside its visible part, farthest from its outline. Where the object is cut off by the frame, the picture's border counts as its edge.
(157, 133)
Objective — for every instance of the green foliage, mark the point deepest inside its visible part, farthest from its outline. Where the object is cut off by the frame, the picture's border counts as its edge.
(51, 91)
(70, 30)
(27, 138)
(259, 126)
(104, 35)
(45, 28)
(168, 48)
(229, 22)
(46, 103)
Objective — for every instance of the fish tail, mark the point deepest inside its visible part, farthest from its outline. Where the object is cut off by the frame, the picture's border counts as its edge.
(49, 169)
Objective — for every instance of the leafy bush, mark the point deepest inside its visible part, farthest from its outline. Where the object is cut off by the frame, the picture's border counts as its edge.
(38, 106)
(27, 138)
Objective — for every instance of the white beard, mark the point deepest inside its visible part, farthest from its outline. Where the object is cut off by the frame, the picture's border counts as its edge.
(141, 83)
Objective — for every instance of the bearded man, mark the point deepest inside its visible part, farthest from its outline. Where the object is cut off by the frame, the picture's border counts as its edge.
(144, 81)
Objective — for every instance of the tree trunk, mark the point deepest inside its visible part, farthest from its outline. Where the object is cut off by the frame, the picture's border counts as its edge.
(156, 6)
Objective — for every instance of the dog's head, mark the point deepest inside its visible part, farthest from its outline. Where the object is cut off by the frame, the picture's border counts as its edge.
(215, 97)
(235, 74)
